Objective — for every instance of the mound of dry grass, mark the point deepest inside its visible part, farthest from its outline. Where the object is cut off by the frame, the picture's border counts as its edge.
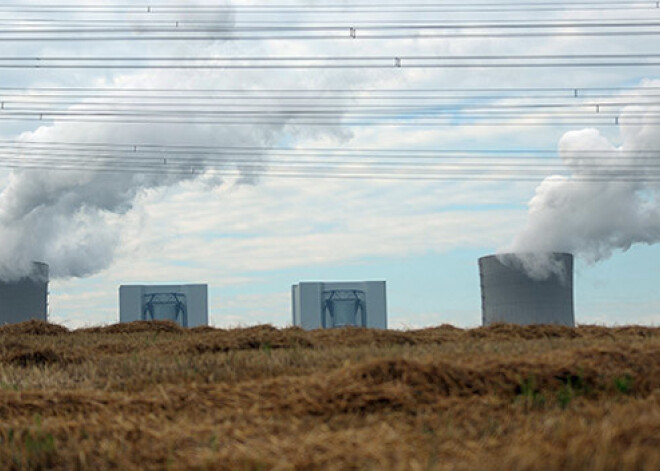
(135, 327)
(155, 396)
(33, 327)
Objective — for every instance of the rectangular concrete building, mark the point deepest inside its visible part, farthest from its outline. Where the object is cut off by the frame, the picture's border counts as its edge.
(320, 305)
(187, 305)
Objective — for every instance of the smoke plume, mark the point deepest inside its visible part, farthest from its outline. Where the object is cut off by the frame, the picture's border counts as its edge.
(609, 200)
(73, 219)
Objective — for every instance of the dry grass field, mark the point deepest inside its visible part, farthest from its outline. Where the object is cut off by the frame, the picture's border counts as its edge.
(155, 396)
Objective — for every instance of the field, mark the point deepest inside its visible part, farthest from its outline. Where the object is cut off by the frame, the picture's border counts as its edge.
(155, 396)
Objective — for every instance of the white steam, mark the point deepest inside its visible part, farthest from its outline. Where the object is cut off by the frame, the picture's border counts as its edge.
(72, 219)
(537, 265)
(608, 202)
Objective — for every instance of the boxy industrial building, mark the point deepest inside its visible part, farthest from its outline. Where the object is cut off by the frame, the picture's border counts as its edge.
(319, 305)
(187, 305)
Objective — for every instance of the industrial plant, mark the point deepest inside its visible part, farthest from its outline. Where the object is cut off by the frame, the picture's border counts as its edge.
(26, 298)
(318, 305)
(509, 293)
(187, 305)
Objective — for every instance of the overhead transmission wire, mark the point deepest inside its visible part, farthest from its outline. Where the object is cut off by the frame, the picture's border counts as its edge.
(337, 107)
(334, 62)
(233, 110)
(288, 26)
(316, 21)
(230, 106)
(313, 169)
(360, 163)
(403, 30)
(425, 7)
(497, 92)
(341, 28)
(349, 34)
(151, 27)
(512, 121)
(359, 100)
(360, 152)
(317, 97)
(338, 118)
(346, 120)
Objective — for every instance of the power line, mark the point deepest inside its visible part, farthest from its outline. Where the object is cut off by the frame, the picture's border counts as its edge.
(310, 108)
(641, 166)
(329, 172)
(509, 121)
(479, 172)
(352, 111)
(335, 62)
(312, 22)
(174, 159)
(337, 109)
(364, 108)
(305, 27)
(423, 104)
(527, 162)
(94, 29)
(379, 7)
(349, 35)
(494, 92)
(325, 173)
(186, 148)
(133, 149)
(238, 32)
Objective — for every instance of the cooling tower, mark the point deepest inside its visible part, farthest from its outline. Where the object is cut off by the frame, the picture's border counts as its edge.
(510, 294)
(26, 298)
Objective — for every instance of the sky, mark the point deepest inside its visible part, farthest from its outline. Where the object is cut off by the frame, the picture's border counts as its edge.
(250, 234)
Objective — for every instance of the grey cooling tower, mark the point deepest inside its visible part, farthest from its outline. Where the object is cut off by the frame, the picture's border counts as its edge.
(509, 294)
(26, 298)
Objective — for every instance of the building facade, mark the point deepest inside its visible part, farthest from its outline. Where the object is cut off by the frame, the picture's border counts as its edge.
(323, 305)
(187, 305)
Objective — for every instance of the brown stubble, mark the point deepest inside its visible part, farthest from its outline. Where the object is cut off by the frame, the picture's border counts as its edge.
(155, 396)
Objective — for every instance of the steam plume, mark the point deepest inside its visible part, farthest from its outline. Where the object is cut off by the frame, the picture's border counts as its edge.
(72, 219)
(608, 202)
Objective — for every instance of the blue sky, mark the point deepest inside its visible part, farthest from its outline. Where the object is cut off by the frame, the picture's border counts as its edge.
(423, 290)
(251, 241)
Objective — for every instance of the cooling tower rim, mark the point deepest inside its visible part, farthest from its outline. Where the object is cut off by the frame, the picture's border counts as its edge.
(36, 263)
(35, 271)
(517, 254)
(40, 271)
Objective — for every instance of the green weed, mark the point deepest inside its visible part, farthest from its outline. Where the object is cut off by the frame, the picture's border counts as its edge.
(624, 384)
